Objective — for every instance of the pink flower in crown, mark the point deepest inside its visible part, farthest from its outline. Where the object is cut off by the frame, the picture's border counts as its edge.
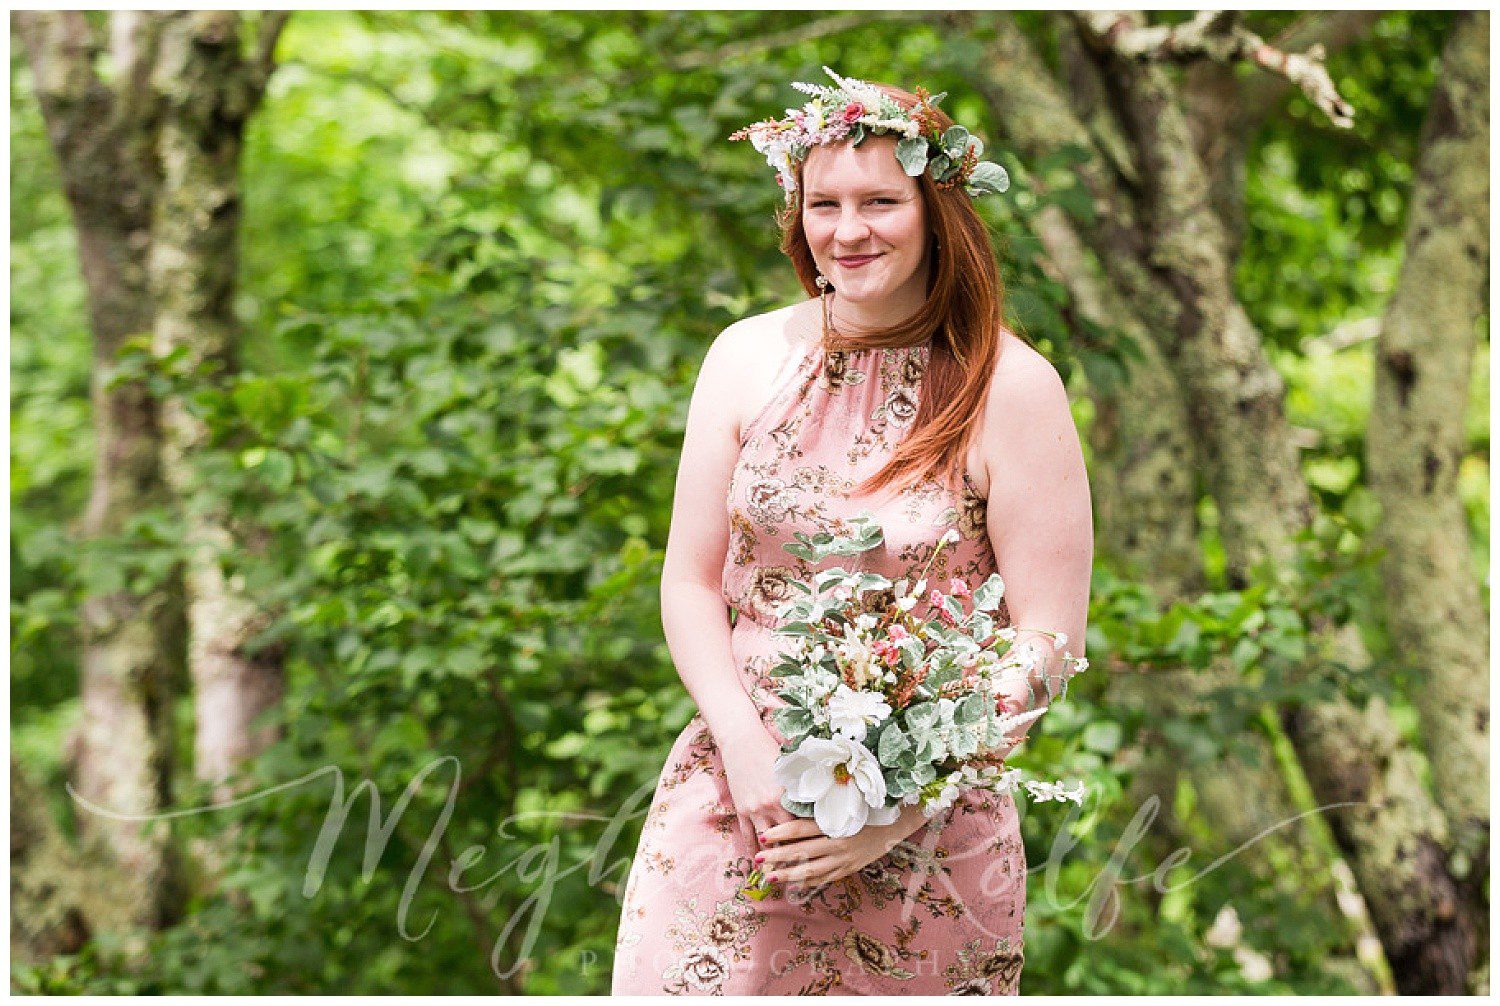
(959, 589)
(853, 111)
(898, 633)
(887, 651)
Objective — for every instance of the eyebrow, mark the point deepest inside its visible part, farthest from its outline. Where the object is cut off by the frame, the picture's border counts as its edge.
(868, 192)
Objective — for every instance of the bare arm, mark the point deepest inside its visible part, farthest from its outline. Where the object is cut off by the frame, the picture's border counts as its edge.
(695, 617)
(1039, 519)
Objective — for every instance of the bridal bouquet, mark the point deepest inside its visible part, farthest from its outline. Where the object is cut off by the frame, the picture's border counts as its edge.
(888, 707)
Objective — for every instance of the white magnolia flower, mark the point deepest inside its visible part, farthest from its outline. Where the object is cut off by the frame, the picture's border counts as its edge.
(841, 779)
(852, 713)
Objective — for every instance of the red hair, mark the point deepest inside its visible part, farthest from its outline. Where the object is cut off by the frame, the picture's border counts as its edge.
(962, 313)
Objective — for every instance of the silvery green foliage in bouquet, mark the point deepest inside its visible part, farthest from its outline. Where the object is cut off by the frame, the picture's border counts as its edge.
(891, 706)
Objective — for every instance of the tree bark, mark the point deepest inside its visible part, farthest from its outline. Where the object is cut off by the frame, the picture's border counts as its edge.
(1388, 825)
(1146, 497)
(1163, 246)
(1423, 362)
(208, 90)
(104, 141)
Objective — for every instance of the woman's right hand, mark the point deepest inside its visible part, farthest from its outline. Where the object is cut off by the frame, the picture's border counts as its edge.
(749, 767)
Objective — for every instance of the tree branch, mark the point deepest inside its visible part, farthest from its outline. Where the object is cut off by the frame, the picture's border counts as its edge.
(1333, 30)
(272, 22)
(62, 48)
(1221, 36)
(134, 37)
(745, 48)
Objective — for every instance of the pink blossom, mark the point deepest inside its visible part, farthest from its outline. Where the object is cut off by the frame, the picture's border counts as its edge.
(853, 111)
(959, 589)
(898, 633)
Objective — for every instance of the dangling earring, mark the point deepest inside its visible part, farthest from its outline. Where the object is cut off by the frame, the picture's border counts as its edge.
(823, 296)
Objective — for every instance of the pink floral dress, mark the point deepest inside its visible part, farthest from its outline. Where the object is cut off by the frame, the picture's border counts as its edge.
(942, 913)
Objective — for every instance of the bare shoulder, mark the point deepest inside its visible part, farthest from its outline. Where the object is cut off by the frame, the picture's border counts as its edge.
(1027, 417)
(1022, 371)
(747, 357)
(774, 333)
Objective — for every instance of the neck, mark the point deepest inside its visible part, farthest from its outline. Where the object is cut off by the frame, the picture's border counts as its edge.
(851, 320)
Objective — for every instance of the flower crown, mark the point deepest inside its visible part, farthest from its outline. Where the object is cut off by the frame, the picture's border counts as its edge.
(856, 108)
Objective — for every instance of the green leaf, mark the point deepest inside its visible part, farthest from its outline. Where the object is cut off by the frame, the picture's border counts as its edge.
(912, 153)
(986, 177)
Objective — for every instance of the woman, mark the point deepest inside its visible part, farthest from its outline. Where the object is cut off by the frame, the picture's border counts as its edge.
(893, 389)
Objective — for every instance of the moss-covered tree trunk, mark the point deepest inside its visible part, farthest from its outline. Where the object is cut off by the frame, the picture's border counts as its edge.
(1155, 227)
(104, 139)
(1423, 363)
(208, 89)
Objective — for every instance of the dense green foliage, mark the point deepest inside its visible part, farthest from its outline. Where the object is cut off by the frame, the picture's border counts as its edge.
(483, 255)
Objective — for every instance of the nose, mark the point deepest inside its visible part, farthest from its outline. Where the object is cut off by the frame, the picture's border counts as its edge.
(851, 231)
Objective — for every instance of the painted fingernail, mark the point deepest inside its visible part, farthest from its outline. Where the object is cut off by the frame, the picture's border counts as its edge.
(760, 835)
(771, 877)
(760, 859)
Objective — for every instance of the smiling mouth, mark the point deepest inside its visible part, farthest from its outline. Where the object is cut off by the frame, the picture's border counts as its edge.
(853, 260)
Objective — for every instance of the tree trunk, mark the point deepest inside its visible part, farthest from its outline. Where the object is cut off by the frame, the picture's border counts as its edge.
(1415, 443)
(104, 143)
(1157, 234)
(1388, 825)
(208, 90)
(1146, 497)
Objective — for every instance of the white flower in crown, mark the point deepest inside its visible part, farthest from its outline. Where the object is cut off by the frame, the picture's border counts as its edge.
(853, 88)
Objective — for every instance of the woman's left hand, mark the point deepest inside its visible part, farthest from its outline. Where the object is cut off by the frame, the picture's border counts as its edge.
(799, 852)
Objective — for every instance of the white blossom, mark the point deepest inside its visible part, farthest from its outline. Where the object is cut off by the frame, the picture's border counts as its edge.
(852, 713)
(841, 779)
(1058, 791)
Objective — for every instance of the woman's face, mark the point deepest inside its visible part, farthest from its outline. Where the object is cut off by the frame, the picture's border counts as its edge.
(859, 202)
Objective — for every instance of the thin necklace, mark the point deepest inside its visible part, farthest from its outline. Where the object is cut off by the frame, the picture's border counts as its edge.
(829, 329)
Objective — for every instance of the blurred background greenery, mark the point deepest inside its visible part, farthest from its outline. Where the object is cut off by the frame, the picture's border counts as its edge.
(481, 257)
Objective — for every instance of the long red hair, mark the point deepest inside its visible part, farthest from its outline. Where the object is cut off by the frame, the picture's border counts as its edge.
(962, 313)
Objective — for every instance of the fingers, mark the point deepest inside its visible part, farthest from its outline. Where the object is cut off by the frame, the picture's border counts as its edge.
(750, 827)
(812, 872)
(791, 830)
(812, 861)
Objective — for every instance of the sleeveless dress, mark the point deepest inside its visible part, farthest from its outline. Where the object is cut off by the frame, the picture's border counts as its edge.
(942, 913)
